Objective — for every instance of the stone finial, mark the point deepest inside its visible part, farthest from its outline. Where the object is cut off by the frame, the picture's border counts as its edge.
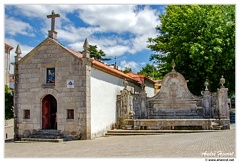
(115, 63)
(86, 45)
(206, 84)
(173, 65)
(222, 81)
(143, 86)
(85, 49)
(18, 52)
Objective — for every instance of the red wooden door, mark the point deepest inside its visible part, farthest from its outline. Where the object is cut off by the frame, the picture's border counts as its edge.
(46, 122)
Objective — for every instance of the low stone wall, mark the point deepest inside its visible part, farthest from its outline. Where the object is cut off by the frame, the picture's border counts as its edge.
(9, 129)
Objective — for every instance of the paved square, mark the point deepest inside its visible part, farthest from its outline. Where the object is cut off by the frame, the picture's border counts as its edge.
(219, 144)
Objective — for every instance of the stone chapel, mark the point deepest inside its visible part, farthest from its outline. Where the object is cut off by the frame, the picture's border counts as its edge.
(58, 88)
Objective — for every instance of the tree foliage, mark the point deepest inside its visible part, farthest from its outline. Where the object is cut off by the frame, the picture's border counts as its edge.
(150, 71)
(97, 54)
(201, 40)
(127, 70)
(8, 103)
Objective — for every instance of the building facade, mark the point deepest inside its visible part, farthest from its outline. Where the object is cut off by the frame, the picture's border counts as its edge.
(58, 88)
(8, 49)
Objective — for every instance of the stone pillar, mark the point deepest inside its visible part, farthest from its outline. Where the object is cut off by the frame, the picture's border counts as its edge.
(143, 99)
(15, 98)
(124, 106)
(222, 103)
(86, 93)
(207, 104)
(85, 124)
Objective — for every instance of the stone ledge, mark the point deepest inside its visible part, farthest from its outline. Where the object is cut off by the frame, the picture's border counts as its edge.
(48, 85)
(41, 140)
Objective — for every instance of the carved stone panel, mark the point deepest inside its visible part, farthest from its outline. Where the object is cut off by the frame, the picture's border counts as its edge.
(174, 100)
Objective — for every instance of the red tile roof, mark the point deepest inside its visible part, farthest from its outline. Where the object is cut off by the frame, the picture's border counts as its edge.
(111, 70)
(8, 46)
(137, 77)
(134, 77)
(140, 78)
(76, 53)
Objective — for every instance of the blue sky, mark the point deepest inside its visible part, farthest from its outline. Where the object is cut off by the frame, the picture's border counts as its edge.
(119, 30)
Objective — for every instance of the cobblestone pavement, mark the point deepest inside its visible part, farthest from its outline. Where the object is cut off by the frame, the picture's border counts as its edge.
(219, 144)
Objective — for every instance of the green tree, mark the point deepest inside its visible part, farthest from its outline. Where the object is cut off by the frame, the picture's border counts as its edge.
(97, 54)
(127, 70)
(150, 71)
(201, 40)
(8, 103)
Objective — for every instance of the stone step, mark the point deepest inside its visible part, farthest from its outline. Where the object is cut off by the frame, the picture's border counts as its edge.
(131, 134)
(41, 140)
(217, 127)
(47, 131)
(120, 132)
(47, 135)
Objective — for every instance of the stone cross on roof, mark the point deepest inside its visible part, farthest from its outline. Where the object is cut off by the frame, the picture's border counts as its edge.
(53, 16)
(52, 33)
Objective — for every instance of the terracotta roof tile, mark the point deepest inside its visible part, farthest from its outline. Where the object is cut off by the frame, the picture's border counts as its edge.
(7, 45)
(76, 53)
(110, 69)
(132, 76)
(105, 67)
(140, 78)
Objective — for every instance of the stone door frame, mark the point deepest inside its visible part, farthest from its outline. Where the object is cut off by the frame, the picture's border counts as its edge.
(38, 103)
(49, 112)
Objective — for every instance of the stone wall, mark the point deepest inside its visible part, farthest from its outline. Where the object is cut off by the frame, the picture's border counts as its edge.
(174, 106)
(9, 129)
(31, 88)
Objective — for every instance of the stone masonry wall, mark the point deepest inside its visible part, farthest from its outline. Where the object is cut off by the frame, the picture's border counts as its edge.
(31, 89)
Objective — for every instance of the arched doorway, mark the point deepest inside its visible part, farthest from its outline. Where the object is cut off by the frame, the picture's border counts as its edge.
(49, 112)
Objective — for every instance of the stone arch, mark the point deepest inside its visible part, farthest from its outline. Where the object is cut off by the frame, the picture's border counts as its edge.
(37, 103)
(49, 112)
(41, 94)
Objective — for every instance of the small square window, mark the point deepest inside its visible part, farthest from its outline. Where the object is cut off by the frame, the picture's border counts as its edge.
(70, 114)
(50, 75)
(26, 114)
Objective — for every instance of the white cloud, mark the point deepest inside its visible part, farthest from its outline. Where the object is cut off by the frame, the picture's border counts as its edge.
(24, 48)
(131, 64)
(108, 17)
(136, 24)
(14, 26)
(120, 18)
(117, 50)
(135, 66)
(143, 63)
(112, 46)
